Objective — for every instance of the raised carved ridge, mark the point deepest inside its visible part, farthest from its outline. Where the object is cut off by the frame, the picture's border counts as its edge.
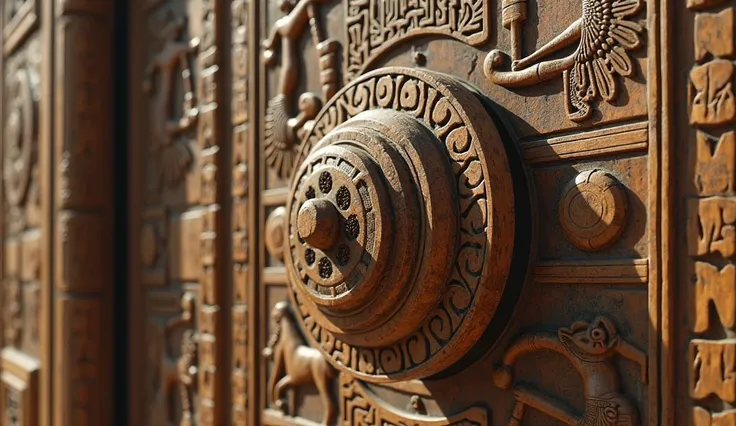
(613, 271)
(587, 144)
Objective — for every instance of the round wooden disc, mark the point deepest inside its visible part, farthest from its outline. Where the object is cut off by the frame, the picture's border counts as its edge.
(422, 155)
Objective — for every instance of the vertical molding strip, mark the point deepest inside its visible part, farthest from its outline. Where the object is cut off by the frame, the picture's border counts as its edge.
(83, 211)
(213, 358)
(241, 143)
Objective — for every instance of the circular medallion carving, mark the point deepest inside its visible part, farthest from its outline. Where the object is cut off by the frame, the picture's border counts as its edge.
(274, 233)
(592, 210)
(400, 225)
(20, 127)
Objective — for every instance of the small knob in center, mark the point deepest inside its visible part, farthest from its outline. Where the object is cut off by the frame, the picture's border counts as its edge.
(318, 223)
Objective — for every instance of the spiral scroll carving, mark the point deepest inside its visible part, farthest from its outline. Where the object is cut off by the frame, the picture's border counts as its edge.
(408, 168)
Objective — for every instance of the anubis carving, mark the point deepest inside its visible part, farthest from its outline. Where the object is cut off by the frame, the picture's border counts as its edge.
(590, 348)
(299, 363)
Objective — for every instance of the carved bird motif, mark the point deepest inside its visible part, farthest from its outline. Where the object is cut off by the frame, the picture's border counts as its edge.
(604, 33)
(605, 37)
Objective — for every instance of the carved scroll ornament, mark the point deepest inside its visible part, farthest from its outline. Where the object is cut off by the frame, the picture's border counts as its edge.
(605, 33)
(590, 347)
(400, 225)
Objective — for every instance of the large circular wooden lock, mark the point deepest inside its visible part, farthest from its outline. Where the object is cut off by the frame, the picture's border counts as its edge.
(400, 225)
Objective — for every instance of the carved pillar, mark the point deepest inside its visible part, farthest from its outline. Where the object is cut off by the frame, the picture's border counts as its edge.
(244, 375)
(82, 210)
(212, 366)
(707, 284)
(180, 212)
(24, 283)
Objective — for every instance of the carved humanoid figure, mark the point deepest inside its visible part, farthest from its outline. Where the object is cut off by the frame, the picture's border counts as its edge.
(169, 124)
(298, 363)
(283, 129)
(590, 348)
(187, 374)
(605, 35)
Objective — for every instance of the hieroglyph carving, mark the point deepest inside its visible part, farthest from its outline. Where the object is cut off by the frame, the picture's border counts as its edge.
(241, 62)
(296, 364)
(715, 36)
(606, 32)
(170, 122)
(715, 166)
(711, 93)
(716, 287)
(374, 27)
(360, 407)
(284, 129)
(713, 369)
(711, 226)
(591, 348)
(711, 218)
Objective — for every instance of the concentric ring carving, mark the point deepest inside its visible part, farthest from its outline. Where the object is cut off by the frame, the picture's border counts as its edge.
(435, 177)
(20, 134)
(592, 210)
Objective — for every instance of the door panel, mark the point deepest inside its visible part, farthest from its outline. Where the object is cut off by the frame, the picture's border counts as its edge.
(57, 213)
(433, 212)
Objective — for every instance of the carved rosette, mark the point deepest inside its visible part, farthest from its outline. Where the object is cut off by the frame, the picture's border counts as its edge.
(400, 225)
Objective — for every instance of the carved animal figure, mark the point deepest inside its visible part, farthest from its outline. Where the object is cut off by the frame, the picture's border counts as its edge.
(171, 373)
(590, 348)
(283, 129)
(168, 124)
(299, 363)
(604, 33)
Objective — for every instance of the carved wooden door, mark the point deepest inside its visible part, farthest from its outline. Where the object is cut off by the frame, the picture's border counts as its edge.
(428, 212)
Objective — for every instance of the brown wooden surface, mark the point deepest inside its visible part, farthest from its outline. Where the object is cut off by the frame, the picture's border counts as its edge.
(488, 212)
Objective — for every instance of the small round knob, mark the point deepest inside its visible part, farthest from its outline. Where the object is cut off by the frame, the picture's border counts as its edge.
(318, 223)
